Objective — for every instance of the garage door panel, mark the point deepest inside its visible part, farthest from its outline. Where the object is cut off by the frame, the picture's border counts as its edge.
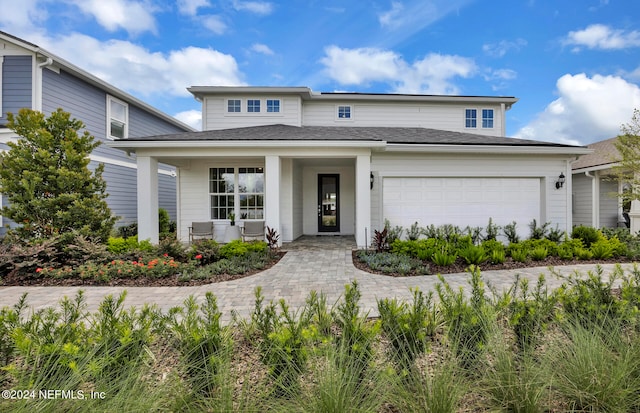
(461, 201)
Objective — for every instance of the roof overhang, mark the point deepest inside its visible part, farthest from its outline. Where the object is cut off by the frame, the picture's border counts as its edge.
(495, 149)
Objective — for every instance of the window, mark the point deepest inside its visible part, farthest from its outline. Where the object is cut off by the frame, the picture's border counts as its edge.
(344, 112)
(245, 200)
(487, 118)
(251, 193)
(118, 118)
(273, 105)
(253, 105)
(470, 118)
(233, 105)
(221, 191)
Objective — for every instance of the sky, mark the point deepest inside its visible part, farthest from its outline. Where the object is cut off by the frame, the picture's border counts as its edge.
(574, 65)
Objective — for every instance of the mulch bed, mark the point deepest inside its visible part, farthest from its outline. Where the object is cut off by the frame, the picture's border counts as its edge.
(509, 264)
(25, 280)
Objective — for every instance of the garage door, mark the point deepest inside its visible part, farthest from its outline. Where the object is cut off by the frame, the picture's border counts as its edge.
(461, 201)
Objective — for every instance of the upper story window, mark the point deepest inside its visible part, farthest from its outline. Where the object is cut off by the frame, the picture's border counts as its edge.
(253, 105)
(487, 118)
(117, 118)
(233, 105)
(470, 118)
(273, 105)
(344, 112)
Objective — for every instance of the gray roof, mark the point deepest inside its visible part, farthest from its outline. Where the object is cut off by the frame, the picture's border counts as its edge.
(605, 153)
(390, 135)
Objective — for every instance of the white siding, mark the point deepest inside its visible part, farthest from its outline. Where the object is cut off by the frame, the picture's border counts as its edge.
(216, 116)
(449, 117)
(553, 202)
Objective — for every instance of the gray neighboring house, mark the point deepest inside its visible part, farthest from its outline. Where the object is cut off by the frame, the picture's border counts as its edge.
(595, 188)
(31, 77)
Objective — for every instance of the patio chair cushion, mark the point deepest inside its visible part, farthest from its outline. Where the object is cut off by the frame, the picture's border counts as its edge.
(201, 229)
(253, 229)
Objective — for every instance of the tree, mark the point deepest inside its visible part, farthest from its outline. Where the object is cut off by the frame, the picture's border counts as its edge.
(628, 146)
(46, 178)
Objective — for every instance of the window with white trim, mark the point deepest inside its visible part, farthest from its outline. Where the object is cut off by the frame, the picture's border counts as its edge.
(344, 112)
(117, 118)
(470, 118)
(221, 192)
(487, 118)
(234, 105)
(236, 190)
(273, 105)
(253, 105)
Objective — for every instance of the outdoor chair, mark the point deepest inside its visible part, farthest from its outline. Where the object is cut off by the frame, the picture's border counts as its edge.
(253, 229)
(200, 230)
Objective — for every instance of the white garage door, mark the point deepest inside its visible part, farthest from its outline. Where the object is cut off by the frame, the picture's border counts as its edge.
(461, 201)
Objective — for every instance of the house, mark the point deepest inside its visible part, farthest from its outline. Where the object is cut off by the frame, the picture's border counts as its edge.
(312, 163)
(31, 77)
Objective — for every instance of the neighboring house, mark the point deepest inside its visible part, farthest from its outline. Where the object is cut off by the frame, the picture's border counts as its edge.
(31, 77)
(595, 188)
(313, 163)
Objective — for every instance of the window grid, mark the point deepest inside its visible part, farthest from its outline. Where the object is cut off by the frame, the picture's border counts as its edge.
(233, 105)
(470, 118)
(344, 112)
(221, 192)
(273, 105)
(487, 118)
(253, 105)
(251, 193)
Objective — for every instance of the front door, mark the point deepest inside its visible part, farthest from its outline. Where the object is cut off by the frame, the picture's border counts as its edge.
(328, 203)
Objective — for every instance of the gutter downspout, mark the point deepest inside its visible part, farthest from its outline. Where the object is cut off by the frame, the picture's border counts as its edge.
(37, 98)
(595, 199)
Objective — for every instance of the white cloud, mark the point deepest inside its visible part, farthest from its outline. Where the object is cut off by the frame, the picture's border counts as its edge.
(262, 48)
(136, 69)
(393, 17)
(599, 36)
(214, 23)
(503, 47)
(190, 7)
(432, 74)
(257, 7)
(132, 16)
(587, 110)
(17, 19)
(192, 118)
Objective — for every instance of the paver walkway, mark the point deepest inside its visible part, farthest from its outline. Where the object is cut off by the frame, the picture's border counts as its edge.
(322, 263)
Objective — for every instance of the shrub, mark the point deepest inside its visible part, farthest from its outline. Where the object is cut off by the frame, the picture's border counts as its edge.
(473, 255)
(518, 253)
(539, 253)
(468, 320)
(492, 231)
(392, 233)
(555, 234)
(413, 233)
(443, 258)
(588, 235)
(172, 248)
(381, 240)
(538, 232)
(208, 251)
(164, 227)
(497, 257)
(408, 327)
(511, 233)
(204, 345)
(601, 249)
(583, 254)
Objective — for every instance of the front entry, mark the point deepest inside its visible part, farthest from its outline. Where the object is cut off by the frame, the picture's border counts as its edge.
(328, 203)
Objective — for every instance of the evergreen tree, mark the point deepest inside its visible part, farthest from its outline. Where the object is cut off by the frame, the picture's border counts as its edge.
(46, 178)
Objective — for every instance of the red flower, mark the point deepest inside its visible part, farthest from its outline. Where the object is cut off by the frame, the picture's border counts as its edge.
(38, 269)
(165, 255)
(198, 257)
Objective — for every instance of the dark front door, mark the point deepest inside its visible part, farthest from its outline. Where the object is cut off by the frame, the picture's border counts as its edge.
(328, 203)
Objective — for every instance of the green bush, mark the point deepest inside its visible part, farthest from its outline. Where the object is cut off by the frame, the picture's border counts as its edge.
(601, 249)
(238, 248)
(588, 235)
(497, 257)
(539, 253)
(511, 233)
(473, 255)
(206, 251)
(163, 222)
(443, 258)
(518, 253)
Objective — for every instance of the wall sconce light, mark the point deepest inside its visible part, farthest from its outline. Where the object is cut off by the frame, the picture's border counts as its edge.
(371, 180)
(560, 181)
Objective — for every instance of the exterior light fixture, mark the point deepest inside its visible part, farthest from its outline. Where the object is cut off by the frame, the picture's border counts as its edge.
(371, 180)
(560, 181)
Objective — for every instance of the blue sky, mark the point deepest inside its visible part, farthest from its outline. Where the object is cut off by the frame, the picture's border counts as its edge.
(574, 65)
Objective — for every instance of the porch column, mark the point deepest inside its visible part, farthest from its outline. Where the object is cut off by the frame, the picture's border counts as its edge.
(148, 199)
(363, 200)
(272, 193)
